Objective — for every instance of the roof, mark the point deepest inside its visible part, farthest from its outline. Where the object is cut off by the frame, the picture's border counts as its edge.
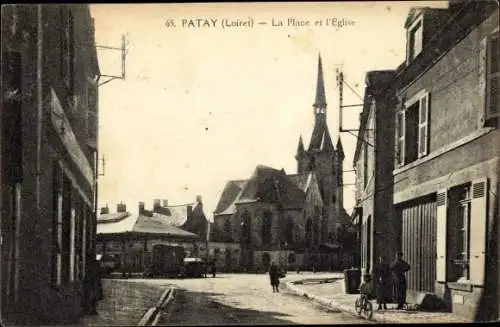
(302, 180)
(271, 185)
(320, 139)
(112, 217)
(156, 224)
(228, 197)
(175, 215)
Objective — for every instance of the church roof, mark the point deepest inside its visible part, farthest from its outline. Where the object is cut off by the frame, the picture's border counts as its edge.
(229, 195)
(320, 139)
(271, 185)
(302, 180)
(300, 148)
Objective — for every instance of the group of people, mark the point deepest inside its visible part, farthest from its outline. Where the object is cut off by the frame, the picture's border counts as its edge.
(387, 281)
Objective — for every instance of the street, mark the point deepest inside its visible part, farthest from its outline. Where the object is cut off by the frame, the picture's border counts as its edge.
(243, 299)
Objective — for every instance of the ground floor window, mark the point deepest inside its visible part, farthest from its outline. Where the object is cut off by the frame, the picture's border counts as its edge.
(460, 212)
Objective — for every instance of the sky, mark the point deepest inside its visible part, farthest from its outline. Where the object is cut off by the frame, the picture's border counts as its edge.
(204, 104)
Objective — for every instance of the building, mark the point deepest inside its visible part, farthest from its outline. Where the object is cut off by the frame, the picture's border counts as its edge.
(446, 165)
(373, 163)
(326, 162)
(145, 240)
(48, 142)
(293, 219)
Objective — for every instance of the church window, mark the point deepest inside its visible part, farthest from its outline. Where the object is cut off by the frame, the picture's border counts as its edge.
(266, 234)
(289, 230)
(309, 232)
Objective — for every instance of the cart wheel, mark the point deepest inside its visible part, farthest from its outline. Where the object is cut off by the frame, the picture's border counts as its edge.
(368, 310)
(357, 306)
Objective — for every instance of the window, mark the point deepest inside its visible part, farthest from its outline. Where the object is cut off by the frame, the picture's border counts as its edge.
(289, 231)
(412, 129)
(292, 258)
(267, 221)
(67, 47)
(309, 232)
(493, 80)
(415, 40)
(459, 238)
(227, 226)
(246, 228)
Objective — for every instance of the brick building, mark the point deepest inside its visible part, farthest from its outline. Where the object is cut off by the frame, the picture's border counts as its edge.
(49, 149)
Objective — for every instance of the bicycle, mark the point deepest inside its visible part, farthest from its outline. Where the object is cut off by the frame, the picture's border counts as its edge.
(363, 306)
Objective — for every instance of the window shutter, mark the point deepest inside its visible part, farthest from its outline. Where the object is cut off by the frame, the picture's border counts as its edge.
(441, 233)
(482, 81)
(492, 79)
(423, 129)
(400, 130)
(478, 233)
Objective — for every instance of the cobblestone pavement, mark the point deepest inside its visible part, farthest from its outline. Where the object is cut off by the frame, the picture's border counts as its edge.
(243, 299)
(124, 303)
(333, 295)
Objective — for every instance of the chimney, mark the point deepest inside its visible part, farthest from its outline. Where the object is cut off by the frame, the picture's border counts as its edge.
(141, 207)
(105, 210)
(156, 204)
(121, 207)
(165, 203)
(189, 211)
(198, 199)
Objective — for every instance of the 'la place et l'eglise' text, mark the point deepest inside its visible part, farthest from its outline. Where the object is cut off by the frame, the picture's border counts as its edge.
(249, 22)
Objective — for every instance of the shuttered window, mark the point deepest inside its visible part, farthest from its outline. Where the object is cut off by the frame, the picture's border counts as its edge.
(493, 77)
(400, 135)
(423, 129)
(478, 231)
(441, 235)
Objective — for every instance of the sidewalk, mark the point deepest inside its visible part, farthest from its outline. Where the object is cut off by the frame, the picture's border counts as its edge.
(124, 304)
(332, 294)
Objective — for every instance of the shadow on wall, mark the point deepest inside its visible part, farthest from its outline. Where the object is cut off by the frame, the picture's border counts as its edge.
(488, 306)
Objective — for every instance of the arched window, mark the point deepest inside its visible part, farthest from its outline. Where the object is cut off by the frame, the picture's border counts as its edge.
(266, 259)
(246, 227)
(267, 221)
(309, 232)
(227, 225)
(289, 231)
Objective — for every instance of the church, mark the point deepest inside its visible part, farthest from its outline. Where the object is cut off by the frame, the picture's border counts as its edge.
(294, 220)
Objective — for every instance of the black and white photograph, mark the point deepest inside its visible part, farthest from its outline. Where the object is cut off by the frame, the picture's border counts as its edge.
(237, 163)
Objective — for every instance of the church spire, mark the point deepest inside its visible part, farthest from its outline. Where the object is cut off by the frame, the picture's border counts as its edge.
(300, 148)
(320, 103)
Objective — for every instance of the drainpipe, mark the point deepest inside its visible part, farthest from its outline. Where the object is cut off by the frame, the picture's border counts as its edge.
(39, 90)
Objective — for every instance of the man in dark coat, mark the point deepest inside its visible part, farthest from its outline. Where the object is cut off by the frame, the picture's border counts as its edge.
(274, 276)
(382, 280)
(399, 267)
(92, 285)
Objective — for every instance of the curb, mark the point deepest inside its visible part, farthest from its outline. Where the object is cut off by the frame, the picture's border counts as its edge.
(152, 316)
(335, 305)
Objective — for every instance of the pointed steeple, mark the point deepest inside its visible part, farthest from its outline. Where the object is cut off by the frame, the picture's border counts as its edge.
(300, 148)
(340, 149)
(320, 103)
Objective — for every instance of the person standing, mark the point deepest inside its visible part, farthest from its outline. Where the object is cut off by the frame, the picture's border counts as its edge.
(274, 276)
(399, 267)
(92, 286)
(382, 280)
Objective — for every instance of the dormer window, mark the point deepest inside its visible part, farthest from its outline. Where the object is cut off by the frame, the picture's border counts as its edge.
(415, 39)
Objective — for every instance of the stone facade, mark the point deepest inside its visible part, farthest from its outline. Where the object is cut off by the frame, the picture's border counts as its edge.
(49, 150)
